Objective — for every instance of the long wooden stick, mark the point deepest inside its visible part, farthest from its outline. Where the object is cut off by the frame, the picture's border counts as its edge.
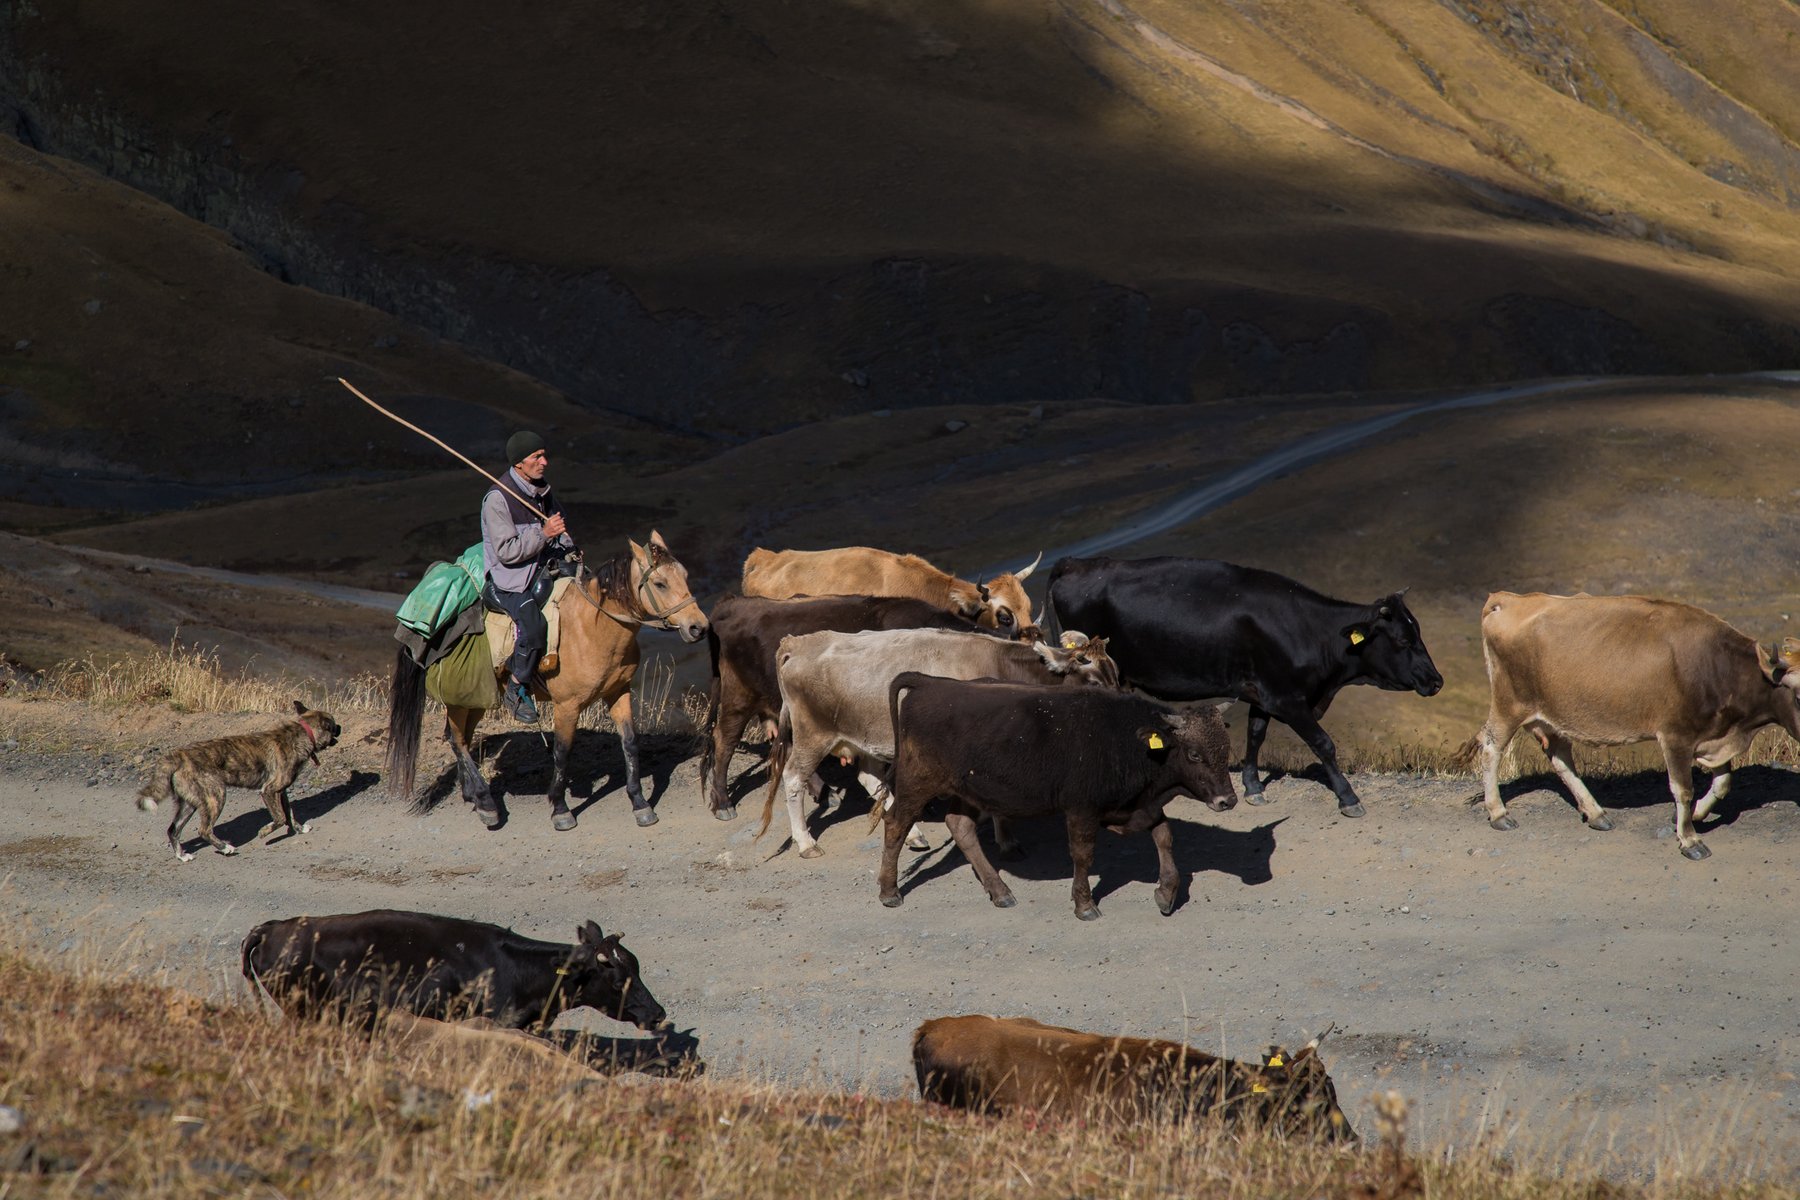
(440, 441)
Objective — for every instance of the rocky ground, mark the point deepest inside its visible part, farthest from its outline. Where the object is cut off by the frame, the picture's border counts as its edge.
(1584, 995)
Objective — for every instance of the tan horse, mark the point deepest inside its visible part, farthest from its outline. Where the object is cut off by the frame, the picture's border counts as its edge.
(597, 660)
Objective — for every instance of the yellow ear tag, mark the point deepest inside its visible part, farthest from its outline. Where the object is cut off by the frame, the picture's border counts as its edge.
(1258, 1089)
(1277, 1061)
(1155, 741)
(1356, 637)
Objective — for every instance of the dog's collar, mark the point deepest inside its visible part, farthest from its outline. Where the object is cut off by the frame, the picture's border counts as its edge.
(313, 738)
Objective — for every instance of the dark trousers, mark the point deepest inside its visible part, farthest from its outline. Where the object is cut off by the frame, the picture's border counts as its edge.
(525, 608)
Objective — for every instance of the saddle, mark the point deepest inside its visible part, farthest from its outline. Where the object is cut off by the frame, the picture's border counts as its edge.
(501, 633)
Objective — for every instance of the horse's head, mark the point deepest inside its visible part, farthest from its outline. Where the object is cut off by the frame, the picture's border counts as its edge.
(659, 586)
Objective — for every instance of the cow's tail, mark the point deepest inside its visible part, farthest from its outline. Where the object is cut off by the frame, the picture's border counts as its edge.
(1463, 758)
(406, 713)
(779, 749)
(903, 683)
(714, 691)
(253, 943)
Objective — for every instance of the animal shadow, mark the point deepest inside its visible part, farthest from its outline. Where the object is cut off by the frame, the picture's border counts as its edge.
(519, 764)
(1752, 787)
(675, 1055)
(1119, 860)
(245, 826)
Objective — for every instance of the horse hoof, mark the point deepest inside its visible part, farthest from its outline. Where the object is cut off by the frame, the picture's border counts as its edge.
(1601, 822)
(645, 817)
(893, 901)
(563, 821)
(1504, 823)
(728, 813)
(812, 851)
(489, 817)
(1351, 810)
(1697, 851)
(1088, 914)
(1008, 900)
(1257, 797)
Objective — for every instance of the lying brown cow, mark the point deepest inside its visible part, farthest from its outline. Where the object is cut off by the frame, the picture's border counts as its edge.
(1613, 670)
(1005, 1065)
(999, 603)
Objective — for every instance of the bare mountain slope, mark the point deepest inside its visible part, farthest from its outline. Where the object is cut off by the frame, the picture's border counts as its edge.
(734, 215)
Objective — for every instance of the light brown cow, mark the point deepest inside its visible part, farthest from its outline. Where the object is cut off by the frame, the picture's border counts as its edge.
(1004, 1065)
(834, 697)
(998, 603)
(1613, 670)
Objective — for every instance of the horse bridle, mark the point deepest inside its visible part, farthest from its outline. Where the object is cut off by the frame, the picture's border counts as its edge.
(640, 596)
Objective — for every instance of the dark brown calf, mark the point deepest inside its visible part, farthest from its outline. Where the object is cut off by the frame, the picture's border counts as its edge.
(1005, 1065)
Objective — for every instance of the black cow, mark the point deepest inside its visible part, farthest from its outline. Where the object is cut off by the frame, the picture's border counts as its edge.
(360, 964)
(1196, 629)
(743, 637)
(1097, 756)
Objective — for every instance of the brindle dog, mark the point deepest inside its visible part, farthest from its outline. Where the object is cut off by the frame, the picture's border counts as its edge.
(196, 776)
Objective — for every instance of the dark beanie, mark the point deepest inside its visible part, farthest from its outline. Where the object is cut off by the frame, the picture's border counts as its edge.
(521, 446)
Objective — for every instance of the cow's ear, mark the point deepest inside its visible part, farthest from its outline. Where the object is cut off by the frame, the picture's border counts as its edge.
(1355, 635)
(590, 935)
(1156, 741)
(299, 708)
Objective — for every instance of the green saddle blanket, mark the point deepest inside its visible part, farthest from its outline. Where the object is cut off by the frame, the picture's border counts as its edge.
(446, 589)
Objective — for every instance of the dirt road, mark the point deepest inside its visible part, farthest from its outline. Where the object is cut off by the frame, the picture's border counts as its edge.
(1585, 994)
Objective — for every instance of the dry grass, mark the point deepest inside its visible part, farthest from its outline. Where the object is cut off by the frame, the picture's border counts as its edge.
(191, 679)
(130, 1088)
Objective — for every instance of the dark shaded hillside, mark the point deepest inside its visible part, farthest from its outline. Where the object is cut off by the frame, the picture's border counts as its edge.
(732, 216)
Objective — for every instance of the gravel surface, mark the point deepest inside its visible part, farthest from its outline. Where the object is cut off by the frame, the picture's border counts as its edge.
(1588, 995)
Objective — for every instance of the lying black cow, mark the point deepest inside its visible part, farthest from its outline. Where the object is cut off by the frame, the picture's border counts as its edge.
(360, 964)
(1198, 629)
(1097, 756)
(743, 636)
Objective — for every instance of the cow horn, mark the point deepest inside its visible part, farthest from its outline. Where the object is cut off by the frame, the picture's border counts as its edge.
(1022, 576)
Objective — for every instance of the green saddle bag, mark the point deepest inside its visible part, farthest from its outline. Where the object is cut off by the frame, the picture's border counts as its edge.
(464, 678)
(446, 589)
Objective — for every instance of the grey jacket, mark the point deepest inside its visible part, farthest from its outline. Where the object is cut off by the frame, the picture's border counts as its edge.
(511, 552)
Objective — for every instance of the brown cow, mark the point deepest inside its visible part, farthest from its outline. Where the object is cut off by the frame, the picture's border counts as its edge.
(1613, 670)
(999, 603)
(1004, 1065)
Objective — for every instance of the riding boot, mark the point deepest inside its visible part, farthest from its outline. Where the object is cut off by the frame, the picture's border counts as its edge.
(519, 702)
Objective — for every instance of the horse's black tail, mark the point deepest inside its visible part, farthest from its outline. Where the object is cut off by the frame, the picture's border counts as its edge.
(713, 691)
(406, 714)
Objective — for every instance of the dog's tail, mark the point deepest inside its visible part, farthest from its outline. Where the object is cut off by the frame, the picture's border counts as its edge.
(406, 714)
(161, 787)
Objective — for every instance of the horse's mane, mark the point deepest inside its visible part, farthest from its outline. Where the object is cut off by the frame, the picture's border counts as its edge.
(614, 579)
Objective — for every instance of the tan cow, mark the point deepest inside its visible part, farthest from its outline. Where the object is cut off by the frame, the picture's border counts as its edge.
(1007, 1065)
(998, 603)
(834, 697)
(1613, 670)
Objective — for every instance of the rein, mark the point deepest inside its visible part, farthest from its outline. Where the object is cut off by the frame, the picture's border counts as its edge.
(638, 601)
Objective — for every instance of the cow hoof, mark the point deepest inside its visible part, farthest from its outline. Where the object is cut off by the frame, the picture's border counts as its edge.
(1504, 823)
(814, 851)
(893, 901)
(1697, 851)
(1088, 914)
(1256, 797)
(563, 821)
(645, 817)
(1351, 810)
(1165, 907)
(489, 817)
(1008, 900)
(1601, 822)
(920, 843)
(728, 813)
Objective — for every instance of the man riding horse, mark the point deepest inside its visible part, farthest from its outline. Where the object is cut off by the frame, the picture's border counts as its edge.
(517, 548)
